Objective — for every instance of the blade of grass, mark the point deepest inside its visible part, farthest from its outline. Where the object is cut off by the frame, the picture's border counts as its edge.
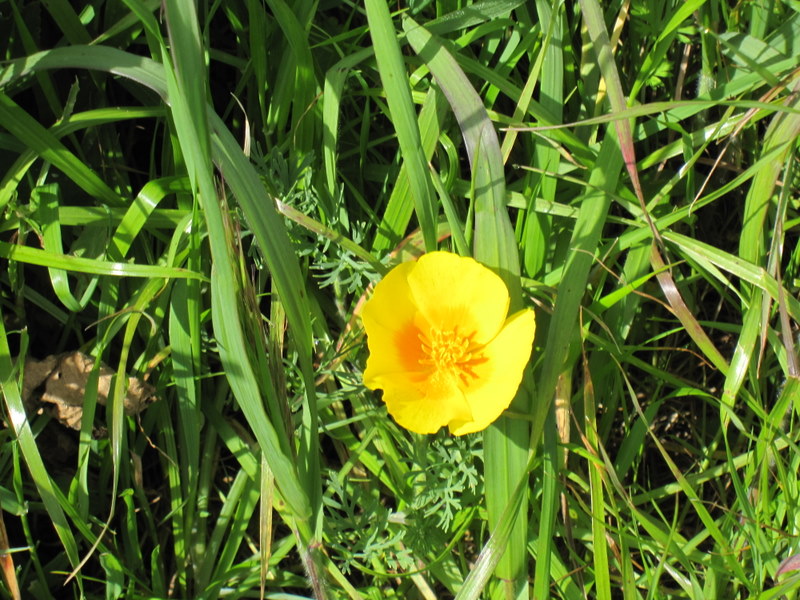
(187, 91)
(78, 264)
(545, 156)
(552, 458)
(400, 207)
(302, 86)
(594, 205)
(184, 336)
(15, 410)
(68, 21)
(46, 200)
(782, 133)
(601, 571)
(20, 124)
(495, 547)
(506, 449)
(593, 17)
(398, 95)
(7, 563)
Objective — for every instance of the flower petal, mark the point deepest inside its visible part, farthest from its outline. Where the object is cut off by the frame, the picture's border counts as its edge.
(391, 301)
(456, 293)
(388, 318)
(498, 378)
(428, 405)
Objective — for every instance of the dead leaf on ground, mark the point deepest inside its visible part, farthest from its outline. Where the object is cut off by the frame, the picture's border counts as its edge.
(59, 381)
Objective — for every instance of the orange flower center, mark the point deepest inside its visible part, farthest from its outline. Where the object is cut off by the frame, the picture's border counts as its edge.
(449, 352)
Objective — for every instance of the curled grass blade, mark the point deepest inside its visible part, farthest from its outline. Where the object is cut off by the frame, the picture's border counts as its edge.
(46, 199)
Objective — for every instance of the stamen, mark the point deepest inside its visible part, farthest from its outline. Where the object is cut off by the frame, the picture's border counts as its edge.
(449, 351)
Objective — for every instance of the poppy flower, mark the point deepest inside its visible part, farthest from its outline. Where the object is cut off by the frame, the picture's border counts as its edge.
(441, 346)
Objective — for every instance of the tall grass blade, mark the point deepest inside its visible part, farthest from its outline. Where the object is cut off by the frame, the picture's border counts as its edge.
(506, 449)
(15, 410)
(20, 124)
(593, 17)
(496, 547)
(401, 107)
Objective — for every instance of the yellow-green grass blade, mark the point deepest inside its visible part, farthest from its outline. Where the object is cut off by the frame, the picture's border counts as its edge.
(322, 230)
(753, 54)
(140, 212)
(401, 107)
(100, 216)
(781, 135)
(745, 345)
(752, 274)
(673, 111)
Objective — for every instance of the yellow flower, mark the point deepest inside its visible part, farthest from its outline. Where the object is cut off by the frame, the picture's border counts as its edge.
(440, 345)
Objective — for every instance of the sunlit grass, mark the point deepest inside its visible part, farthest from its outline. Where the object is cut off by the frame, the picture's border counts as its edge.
(201, 196)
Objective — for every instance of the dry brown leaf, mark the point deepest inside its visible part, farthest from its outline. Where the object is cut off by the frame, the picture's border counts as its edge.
(60, 382)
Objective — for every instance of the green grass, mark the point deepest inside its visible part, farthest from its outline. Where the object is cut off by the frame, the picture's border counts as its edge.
(200, 195)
